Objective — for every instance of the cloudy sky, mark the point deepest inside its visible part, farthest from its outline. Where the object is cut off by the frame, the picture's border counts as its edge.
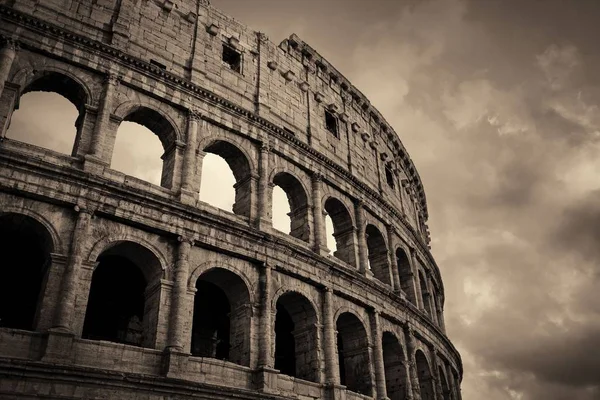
(497, 103)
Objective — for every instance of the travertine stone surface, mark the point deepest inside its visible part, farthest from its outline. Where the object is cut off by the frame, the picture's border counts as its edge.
(293, 320)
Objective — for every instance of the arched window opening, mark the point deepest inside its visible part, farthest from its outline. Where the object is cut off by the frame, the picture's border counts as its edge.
(343, 231)
(50, 113)
(217, 187)
(406, 276)
(240, 167)
(221, 321)
(330, 238)
(424, 375)
(120, 307)
(25, 245)
(281, 211)
(298, 201)
(445, 387)
(144, 161)
(393, 362)
(378, 255)
(296, 338)
(353, 354)
(425, 294)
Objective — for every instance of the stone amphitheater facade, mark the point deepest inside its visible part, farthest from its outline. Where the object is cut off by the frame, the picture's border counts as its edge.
(114, 288)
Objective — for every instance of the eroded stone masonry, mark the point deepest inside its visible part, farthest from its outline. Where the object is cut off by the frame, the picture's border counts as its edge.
(113, 287)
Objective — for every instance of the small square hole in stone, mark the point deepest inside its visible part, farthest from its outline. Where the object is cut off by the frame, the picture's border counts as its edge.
(232, 57)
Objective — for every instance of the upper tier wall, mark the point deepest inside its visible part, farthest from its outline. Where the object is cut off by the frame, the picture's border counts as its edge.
(290, 85)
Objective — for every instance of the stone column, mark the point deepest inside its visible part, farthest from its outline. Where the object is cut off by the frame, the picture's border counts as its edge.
(438, 391)
(393, 260)
(363, 252)
(332, 370)
(380, 383)
(96, 151)
(412, 384)
(178, 313)
(66, 304)
(320, 243)
(416, 279)
(440, 313)
(8, 53)
(264, 219)
(189, 158)
(265, 356)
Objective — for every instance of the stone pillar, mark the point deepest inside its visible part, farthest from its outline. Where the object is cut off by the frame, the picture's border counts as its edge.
(393, 260)
(188, 195)
(440, 313)
(412, 384)
(8, 53)
(380, 383)
(96, 150)
(363, 252)
(264, 218)
(178, 313)
(265, 356)
(416, 280)
(320, 243)
(438, 391)
(63, 319)
(332, 370)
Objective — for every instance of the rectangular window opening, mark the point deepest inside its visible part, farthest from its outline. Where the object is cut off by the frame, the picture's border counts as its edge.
(389, 177)
(331, 124)
(232, 57)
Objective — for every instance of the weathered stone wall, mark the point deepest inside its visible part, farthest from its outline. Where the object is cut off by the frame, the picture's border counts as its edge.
(160, 63)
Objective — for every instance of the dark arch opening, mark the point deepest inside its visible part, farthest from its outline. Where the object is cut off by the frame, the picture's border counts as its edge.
(378, 254)
(298, 201)
(143, 124)
(50, 113)
(120, 307)
(393, 362)
(25, 245)
(425, 294)
(424, 375)
(343, 230)
(405, 274)
(221, 321)
(240, 167)
(296, 337)
(445, 387)
(353, 354)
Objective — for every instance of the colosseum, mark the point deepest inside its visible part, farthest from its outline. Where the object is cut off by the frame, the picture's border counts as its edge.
(116, 288)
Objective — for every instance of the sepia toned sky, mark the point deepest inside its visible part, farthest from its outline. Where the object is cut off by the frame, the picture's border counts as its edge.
(497, 102)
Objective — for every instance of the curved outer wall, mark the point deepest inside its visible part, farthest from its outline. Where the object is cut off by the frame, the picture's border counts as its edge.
(368, 320)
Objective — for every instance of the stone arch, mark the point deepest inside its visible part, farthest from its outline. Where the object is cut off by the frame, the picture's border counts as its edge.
(123, 301)
(405, 273)
(296, 336)
(353, 354)
(299, 201)
(65, 84)
(393, 363)
(344, 230)
(165, 127)
(161, 125)
(208, 265)
(241, 166)
(111, 240)
(424, 375)
(57, 243)
(378, 254)
(26, 246)
(222, 317)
